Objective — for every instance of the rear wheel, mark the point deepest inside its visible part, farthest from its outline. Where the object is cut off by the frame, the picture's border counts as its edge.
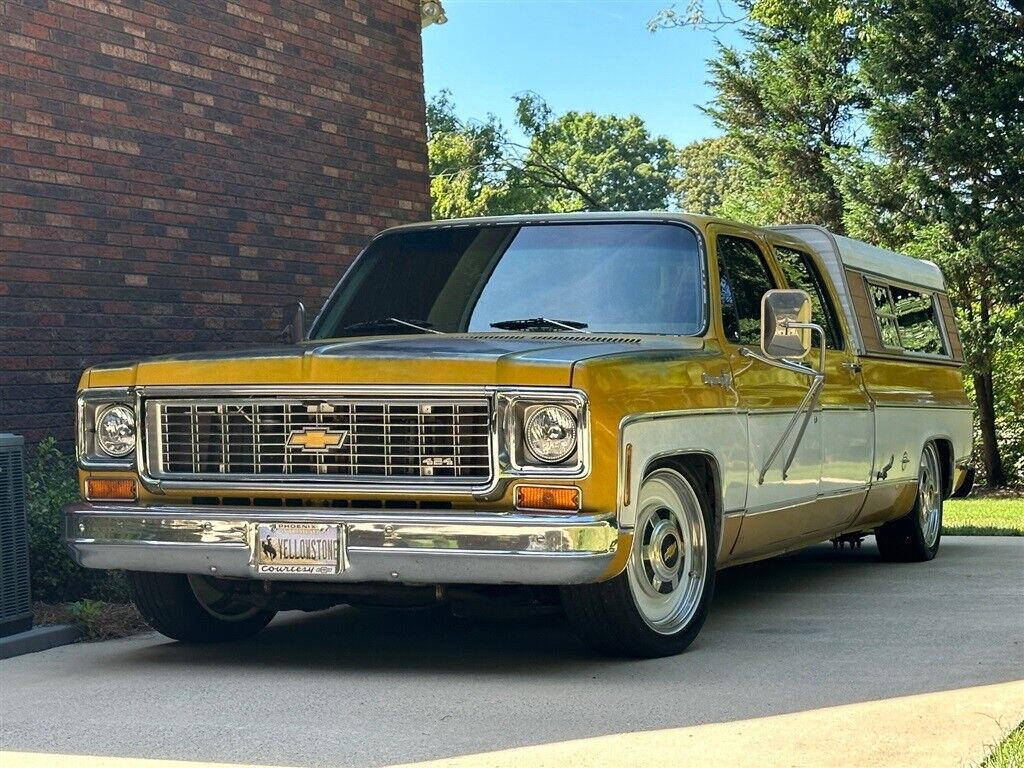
(196, 608)
(915, 537)
(658, 604)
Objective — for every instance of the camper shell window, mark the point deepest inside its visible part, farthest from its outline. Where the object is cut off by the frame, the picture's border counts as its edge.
(908, 319)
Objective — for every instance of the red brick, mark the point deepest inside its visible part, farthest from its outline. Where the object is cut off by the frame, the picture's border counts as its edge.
(174, 175)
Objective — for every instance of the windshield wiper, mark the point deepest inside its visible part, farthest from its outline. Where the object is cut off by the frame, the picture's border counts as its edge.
(390, 322)
(540, 324)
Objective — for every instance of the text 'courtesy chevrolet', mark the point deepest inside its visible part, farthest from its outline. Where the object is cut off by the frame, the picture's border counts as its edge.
(599, 408)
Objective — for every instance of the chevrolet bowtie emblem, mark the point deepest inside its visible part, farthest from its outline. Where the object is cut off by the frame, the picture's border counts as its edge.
(316, 440)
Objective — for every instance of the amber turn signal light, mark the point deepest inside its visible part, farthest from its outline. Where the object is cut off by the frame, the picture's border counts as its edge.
(542, 498)
(110, 490)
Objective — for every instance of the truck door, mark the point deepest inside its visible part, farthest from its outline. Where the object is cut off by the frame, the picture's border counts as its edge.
(768, 396)
(847, 423)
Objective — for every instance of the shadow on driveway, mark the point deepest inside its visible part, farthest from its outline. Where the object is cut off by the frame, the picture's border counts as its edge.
(370, 687)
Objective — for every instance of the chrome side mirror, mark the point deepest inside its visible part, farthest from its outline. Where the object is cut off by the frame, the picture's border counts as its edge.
(294, 330)
(786, 324)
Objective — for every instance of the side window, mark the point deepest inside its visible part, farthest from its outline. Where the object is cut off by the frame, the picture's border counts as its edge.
(908, 319)
(745, 278)
(886, 315)
(801, 272)
(917, 321)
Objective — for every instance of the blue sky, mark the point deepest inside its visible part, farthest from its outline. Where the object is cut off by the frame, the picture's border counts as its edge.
(592, 55)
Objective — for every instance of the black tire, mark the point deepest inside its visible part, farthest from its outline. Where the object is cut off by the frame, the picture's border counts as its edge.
(910, 539)
(168, 603)
(606, 615)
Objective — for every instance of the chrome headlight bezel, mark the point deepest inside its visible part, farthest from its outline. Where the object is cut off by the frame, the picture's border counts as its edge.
(92, 405)
(513, 410)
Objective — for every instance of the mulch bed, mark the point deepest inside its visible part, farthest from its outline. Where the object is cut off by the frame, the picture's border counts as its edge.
(99, 621)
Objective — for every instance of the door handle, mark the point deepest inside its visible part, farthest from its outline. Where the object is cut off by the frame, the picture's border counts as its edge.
(853, 368)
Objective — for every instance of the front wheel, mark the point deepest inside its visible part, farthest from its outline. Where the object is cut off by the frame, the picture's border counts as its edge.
(196, 609)
(915, 537)
(658, 604)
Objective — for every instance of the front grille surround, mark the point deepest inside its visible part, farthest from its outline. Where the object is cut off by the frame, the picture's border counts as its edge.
(408, 439)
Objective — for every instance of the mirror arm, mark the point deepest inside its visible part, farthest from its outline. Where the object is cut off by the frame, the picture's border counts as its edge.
(821, 336)
(807, 405)
(811, 400)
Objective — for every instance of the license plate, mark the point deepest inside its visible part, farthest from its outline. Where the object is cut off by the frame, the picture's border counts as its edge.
(299, 548)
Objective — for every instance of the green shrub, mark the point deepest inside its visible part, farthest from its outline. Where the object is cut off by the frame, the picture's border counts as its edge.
(50, 484)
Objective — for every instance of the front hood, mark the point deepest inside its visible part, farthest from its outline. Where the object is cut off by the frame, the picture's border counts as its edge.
(532, 359)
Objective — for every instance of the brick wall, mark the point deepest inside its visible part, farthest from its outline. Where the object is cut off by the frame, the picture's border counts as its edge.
(172, 173)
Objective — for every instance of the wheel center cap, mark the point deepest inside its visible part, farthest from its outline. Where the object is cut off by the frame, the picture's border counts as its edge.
(670, 550)
(664, 551)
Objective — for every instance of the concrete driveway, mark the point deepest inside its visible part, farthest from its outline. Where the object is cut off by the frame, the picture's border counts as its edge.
(791, 637)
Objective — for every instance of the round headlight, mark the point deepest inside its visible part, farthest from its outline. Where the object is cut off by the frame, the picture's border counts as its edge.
(115, 430)
(550, 433)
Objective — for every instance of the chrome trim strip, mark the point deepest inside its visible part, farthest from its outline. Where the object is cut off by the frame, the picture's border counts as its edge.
(329, 390)
(461, 434)
(399, 545)
(802, 502)
(918, 407)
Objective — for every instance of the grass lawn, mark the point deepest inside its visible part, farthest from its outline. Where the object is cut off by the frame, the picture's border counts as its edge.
(984, 516)
(1009, 753)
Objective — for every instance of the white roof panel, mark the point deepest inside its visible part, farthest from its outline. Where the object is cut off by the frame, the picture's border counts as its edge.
(838, 252)
(864, 257)
(905, 269)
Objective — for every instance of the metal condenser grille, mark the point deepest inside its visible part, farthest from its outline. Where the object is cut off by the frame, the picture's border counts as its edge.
(401, 439)
(15, 599)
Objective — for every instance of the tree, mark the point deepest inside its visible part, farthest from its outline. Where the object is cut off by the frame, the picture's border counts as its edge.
(578, 161)
(790, 103)
(582, 161)
(466, 163)
(947, 80)
(709, 176)
(902, 123)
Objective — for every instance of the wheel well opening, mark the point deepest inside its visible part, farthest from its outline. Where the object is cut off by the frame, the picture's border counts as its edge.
(945, 449)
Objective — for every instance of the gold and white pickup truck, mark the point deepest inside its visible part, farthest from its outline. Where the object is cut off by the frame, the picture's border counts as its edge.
(603, 408)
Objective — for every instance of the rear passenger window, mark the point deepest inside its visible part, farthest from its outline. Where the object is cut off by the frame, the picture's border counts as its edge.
(801, 272)
(908, 319)
(745, 278)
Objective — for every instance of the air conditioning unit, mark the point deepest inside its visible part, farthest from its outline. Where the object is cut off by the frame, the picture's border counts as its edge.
(15, 597)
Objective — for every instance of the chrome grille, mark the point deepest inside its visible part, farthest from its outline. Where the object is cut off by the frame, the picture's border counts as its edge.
(432, 439)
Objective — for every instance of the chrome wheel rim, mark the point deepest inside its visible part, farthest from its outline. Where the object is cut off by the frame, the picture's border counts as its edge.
(221, 604)
(667, 568)
(929, 497)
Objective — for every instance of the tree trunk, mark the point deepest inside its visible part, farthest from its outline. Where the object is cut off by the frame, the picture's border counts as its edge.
(983, 391)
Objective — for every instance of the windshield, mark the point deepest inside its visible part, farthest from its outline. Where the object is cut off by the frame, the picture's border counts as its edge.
(637, 277)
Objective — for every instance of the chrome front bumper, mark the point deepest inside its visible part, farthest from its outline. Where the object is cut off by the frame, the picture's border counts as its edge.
(392, 546)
